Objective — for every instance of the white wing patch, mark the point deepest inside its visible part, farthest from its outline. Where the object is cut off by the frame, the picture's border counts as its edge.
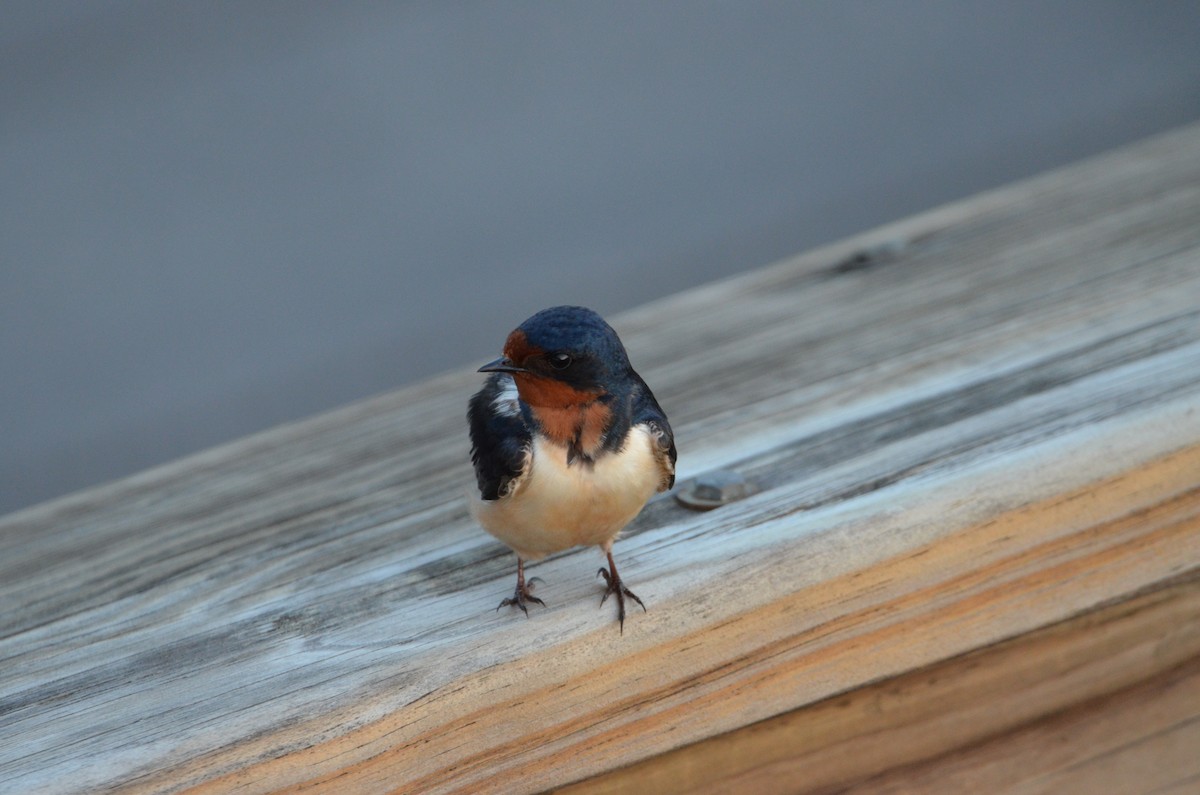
(505, 404)
(514, 485)
(665, 464)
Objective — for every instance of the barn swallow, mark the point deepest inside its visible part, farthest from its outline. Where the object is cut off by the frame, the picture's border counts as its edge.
(568, 444)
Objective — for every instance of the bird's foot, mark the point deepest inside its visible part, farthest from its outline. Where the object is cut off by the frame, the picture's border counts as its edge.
(618, 589)
(522, 596)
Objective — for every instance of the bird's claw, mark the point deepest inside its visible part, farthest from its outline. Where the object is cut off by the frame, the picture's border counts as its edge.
(615, 586)
(521, 596)
(519, 599)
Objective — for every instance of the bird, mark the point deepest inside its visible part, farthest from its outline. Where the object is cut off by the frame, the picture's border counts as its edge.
(568, 444)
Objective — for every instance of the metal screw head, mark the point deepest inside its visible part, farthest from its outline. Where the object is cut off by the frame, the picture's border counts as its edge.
(714, 489)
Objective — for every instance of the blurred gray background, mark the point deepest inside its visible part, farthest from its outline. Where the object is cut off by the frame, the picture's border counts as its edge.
(220, 216)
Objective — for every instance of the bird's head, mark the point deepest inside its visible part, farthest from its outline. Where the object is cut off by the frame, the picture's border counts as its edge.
(563, 356)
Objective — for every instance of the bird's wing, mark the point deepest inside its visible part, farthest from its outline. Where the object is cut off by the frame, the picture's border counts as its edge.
(500, 437)
(646, 411)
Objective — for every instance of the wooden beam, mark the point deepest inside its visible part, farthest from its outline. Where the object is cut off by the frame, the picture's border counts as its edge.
(976, 435)
(1103, 702)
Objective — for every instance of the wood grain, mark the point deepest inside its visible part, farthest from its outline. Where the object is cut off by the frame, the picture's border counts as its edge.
(1103, 702)
(977, 434)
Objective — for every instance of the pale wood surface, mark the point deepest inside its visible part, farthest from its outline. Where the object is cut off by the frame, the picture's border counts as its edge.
(976, 431)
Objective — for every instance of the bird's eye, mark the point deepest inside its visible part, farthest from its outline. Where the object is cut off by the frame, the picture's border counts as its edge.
(559, 361)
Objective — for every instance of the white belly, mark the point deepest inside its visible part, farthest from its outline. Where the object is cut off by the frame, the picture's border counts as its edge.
(557, 506)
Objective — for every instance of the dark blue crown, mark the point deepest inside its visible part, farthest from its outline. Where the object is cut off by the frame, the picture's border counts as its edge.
(579, 331)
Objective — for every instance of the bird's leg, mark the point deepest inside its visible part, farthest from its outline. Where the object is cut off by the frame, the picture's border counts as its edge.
(522, 594)
(615, 586)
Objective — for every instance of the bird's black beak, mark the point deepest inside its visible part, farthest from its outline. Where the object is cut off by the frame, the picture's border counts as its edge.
(501, 365)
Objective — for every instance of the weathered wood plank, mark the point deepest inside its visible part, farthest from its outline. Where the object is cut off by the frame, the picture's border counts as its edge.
(1044, 712)
(969, 427)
